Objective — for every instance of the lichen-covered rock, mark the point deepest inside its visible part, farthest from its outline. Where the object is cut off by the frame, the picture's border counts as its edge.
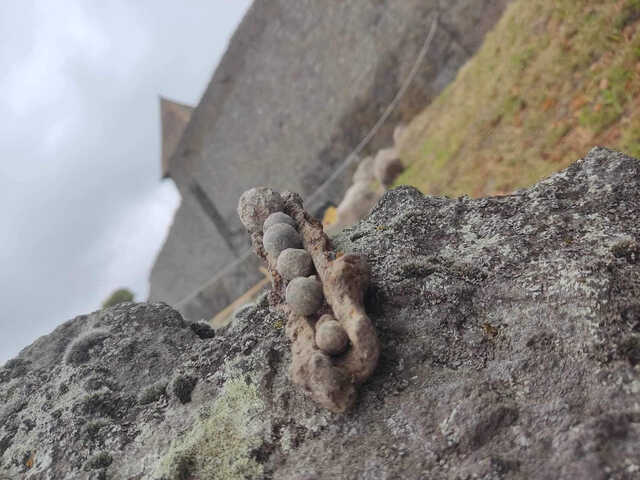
(255, 206)
(279, 237)
(120, 411)
(79, 350)
(304, 295)
(278, 217)
(203, 329)
(294, 262)
(510, 350)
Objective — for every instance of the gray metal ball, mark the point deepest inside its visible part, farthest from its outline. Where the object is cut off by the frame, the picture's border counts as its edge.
(280, 237)
(278, 217)
(304, 295)
(294, 262)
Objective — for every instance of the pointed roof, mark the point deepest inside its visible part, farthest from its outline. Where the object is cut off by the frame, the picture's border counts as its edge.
(174, 118)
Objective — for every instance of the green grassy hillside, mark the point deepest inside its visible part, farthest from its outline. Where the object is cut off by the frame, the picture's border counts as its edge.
(554, 78)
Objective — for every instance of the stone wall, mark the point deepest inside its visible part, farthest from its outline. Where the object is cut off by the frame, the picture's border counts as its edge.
(300, 85)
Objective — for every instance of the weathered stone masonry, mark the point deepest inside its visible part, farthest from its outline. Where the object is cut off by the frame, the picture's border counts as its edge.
(301, 83)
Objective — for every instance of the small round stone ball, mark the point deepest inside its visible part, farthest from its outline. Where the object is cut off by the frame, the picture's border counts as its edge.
(327, 317)
(294, 262)
(304, 295)
(331, 337)
(256, 204)
(278, 217)
(280, 237)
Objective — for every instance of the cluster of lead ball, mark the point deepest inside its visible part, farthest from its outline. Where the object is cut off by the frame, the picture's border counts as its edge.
(260, 210)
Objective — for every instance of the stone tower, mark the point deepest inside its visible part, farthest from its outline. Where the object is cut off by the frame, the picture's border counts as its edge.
(174, 118)
(299, 86)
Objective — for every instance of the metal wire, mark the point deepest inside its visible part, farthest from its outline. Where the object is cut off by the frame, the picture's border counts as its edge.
(353, 156)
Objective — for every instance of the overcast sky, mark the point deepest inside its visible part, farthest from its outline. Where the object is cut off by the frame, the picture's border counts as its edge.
(82, 207)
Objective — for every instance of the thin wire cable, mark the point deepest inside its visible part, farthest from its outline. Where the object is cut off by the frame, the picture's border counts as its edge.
(352, 157)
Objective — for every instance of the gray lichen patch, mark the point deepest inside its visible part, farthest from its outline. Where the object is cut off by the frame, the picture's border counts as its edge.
(65, 413)
(79, 350)
(98, 461)
(102, 402)
(93, 428)
(153, 392)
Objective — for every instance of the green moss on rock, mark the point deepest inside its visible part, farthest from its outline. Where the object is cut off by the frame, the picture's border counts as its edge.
(93, 427)
(219, 446)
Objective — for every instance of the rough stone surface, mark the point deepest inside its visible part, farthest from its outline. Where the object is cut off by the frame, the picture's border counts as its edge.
(294, 262)
(510, 350)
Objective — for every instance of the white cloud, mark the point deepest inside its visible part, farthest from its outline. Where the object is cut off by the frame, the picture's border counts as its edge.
(83, 211)
(135, 239)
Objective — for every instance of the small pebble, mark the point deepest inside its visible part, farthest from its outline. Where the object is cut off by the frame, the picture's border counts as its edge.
(279, 237)
(278, 217)
(331, 337)
(256, 204)
(294, 262)
(327, 317)
(304, 295)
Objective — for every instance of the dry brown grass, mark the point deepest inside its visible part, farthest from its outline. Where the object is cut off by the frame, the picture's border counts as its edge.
(553, 79)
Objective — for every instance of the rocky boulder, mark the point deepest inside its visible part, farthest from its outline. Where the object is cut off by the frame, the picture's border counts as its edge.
(510, 333)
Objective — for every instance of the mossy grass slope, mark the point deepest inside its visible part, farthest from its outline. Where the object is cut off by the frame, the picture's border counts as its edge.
(553, 79)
